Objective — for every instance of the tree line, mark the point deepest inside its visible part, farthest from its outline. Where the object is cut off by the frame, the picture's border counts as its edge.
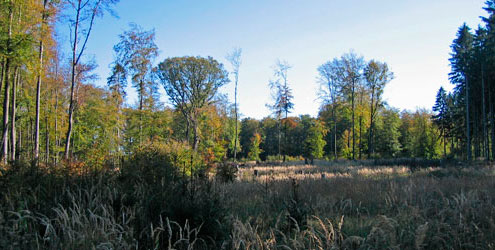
(52, 111)
(466, 116)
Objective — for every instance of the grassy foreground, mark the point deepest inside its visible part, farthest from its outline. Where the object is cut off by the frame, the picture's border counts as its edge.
(328, 206)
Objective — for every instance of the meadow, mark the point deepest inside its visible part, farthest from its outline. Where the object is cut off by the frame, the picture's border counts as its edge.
(330, 205)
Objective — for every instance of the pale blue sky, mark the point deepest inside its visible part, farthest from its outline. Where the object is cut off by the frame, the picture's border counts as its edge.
(413, 37)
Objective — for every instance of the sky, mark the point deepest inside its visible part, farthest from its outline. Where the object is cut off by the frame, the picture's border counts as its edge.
(412, 36)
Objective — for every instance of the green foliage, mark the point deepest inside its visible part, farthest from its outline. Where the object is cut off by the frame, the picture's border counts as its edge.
(270, 134)
(419, 136)
(388, 134)
(248, 128)
(254, 148)
(232, 137)
(156, 160)
(94, 137)
(314, 141)
(135, 52)
(191, 84)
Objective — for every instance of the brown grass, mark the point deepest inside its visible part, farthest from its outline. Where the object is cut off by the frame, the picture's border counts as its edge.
(354, 206)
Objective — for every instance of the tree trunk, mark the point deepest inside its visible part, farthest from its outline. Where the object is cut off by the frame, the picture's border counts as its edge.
(279, 139)
(235, 111)
(444, 136)
(6, 95)
(353, 131)
(285, 135)
(38, 86)
(370, 139)
(476, 137)
(485, 130)
(195, 135)
(492, 120)
(57, 143)
(334, 132)
(38, 93)
(6, 101)
(13, 114)
(360, 134)
(141, 103)
(47, 141)
(2, 73)
(19, 144)
(468, 129)
(73, 84)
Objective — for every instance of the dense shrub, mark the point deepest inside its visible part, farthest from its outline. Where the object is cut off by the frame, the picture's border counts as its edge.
(156, 161)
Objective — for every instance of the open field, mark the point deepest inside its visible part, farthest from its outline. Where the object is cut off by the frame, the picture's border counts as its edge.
(294, 206)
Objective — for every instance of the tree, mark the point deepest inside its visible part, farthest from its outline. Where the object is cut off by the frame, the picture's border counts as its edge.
(83, 14)
(282, 96)
(191, 83)
(489, 59)
(479, 64)
(117, 82)
(329, 79)
(387, 133)
(16, 50)
(235, 60)
(48, 11)
(254, 148)
(352, 67)
(462, 49)
(377, 75)
(441, 118)
(336, 136)
(249, 127)
(314, 141)
(135, 54)
(270, 130)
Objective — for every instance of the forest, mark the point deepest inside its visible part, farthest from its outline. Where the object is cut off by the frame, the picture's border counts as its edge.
(82, 168)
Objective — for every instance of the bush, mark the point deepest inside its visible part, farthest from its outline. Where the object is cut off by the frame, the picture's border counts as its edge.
(227, 172)
(157, 161)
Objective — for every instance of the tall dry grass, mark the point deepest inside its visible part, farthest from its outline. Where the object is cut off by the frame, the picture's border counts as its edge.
(354, 206)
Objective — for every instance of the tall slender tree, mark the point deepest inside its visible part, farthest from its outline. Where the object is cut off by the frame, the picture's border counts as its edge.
(135, 54)
(16, 48)
(8, 52)
(489, 69)
(329, 77)
(441, 117)
(377, 75)
(282, 96)
(235, 60)
(460, 61)
(352, 70)
(82, 17)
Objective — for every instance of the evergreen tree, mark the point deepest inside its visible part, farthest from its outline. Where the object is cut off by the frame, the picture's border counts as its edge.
(460, 61)
(441, 117)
